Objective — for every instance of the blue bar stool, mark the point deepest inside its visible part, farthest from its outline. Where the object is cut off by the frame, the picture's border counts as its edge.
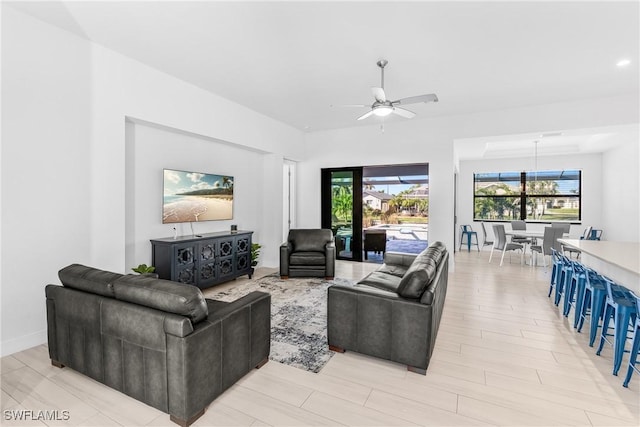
(635, 346)
(467, 232)
(592, 304)
(556, 270)
(621, 306)
(580, 292)
(574, 293)
(564, 282)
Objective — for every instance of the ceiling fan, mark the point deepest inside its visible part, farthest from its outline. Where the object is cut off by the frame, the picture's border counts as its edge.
(383, 107)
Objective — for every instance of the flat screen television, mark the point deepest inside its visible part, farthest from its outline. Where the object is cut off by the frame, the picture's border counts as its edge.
(195, 196)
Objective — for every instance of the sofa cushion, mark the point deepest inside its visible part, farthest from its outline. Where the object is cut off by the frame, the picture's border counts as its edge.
(394, 269)
(307, 258)
(380, 280)
(88, 279)
(436, 250)
(422, 271)
(415, 282)
(165, 295)
(309, 240)
(420, 274)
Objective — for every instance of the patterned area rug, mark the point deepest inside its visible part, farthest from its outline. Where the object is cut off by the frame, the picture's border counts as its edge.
(298, 317)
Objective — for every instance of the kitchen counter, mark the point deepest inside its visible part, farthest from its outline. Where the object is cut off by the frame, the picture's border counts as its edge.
(619, 261)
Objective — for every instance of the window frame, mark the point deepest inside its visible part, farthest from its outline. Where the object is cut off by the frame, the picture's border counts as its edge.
(524, 196)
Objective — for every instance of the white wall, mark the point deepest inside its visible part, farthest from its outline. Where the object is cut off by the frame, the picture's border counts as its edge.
(431, 140)
(46, 172)
(125, 88)
(621, 188)
(590, 164)
(65, 199)
(404, 142)
(156, 148)
(271, 212)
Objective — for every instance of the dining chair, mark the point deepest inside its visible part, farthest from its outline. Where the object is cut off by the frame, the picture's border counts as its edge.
(520, 226)
(500, 243)
(596, 234)
(550, 237)
(485, 237)
(585, 236)
(565, 226)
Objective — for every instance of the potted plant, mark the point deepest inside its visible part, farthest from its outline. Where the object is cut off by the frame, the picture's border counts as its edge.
(255, 253)
(145, 270)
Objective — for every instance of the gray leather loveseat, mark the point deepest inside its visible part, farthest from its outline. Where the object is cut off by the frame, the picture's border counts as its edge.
(394, 312)
(157, 341)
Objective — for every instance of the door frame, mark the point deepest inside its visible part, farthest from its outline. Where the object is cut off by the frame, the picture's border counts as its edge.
(356, 210)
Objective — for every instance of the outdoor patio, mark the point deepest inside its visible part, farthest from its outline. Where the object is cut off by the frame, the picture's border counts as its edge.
(399, 245)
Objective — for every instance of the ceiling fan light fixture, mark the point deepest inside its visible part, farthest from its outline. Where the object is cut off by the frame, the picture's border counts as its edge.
(382, 107)
(382, 110)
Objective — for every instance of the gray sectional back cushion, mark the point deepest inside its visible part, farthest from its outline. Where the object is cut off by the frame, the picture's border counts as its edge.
(437, 249)
(421, 272)
(88, 279)
(165, 295)
(185, 300)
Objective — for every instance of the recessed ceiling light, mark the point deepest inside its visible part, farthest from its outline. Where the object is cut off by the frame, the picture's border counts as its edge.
(550, 134)
(623, 63)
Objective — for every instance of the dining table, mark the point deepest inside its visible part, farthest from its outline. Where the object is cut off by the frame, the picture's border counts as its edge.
(525, 233)
(529, 234)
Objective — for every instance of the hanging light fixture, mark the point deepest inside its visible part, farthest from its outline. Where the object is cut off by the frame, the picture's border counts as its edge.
(535, 160)
(534, 187)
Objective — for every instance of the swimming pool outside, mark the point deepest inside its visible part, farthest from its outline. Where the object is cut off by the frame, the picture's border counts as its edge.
(404, 231)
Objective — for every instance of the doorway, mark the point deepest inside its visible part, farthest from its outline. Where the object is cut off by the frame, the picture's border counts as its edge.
(372, 209)
(341, 190)
(289, 199)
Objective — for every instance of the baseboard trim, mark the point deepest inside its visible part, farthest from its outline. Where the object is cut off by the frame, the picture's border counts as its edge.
(8, 347)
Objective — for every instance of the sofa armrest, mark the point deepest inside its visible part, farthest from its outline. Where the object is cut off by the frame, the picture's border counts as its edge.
(399, 258)
(246, 334)
(285, 251)
(379, 323)
(223, 348)
(330, 257)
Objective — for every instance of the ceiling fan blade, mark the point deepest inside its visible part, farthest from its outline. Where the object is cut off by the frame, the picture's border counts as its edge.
(378, 94)
(355, 105)
(403, 112)
(365, 115)
(432, 97)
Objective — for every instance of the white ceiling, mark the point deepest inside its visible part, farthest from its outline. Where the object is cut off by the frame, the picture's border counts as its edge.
(580, 141)
(293, 61)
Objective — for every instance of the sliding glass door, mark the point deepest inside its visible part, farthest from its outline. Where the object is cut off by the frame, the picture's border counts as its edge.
(342, 210)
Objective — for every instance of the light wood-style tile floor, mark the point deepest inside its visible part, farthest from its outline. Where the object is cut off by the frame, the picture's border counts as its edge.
(504, 356)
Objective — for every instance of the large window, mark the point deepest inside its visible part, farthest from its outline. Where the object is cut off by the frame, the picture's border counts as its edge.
(531, 196)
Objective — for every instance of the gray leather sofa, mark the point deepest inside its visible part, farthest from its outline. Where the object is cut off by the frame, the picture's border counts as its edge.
(308, 253)
(394, 312)
(157, 341)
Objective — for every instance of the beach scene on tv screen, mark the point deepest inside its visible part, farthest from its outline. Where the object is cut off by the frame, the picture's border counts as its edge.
(194, 196)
